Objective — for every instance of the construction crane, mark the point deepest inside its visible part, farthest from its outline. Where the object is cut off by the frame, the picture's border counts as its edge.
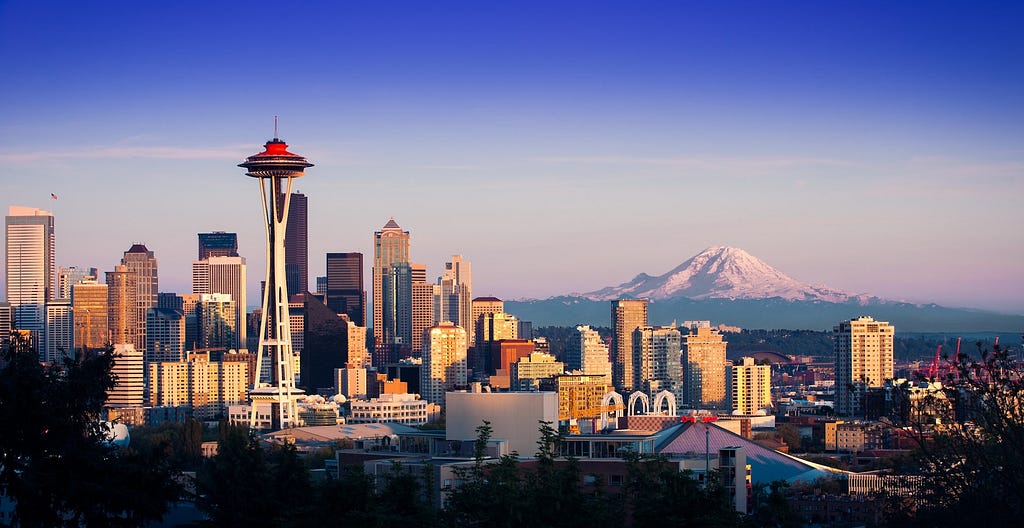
(933, 370)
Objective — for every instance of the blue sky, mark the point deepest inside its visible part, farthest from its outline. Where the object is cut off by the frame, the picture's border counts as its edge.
(559, 146)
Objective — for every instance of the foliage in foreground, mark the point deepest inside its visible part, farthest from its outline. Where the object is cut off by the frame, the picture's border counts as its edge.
(55, 461)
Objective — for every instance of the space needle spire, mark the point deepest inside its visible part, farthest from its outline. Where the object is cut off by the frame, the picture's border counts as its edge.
(275, 168)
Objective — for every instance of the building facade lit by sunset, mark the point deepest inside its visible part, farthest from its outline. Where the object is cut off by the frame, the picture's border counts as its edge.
(704, 368)
(142, 263)
(89, 309)
(444, 361)
(31, 269)
(224, 275)
(626, 315)
(864, 358)
(749, 386)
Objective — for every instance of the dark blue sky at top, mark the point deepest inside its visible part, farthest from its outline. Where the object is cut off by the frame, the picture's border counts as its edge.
(892, 57)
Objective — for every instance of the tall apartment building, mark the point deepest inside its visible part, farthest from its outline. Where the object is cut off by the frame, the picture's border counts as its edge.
(31, 272)
(72, 275)
(627, 315)
(355, 342)
(444, 361)
(588, 353)
(217, 244)
(390, 246)
(455, 303)
(142, 263)
(225, 275)
(864, 358)
(704, 368)
(121, 305)
(296, 245)
(128, 370)
(89, 309)
(60, 330)
(208, 387)
(345, 291)
(165, 335)
(749, 386)
(485, 305)
(657, 363)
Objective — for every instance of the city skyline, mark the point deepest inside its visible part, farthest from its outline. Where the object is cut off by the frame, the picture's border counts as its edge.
(874, 148)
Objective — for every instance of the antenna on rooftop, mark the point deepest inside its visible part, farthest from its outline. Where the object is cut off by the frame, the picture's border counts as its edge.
(275, 127)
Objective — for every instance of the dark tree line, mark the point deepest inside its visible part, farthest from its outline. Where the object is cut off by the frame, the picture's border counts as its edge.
(56, 463)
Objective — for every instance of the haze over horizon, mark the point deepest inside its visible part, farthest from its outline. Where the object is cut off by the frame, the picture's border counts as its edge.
(559, 146)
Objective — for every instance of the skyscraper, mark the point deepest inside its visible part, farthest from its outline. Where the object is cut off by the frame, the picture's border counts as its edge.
(422, 305)
(749, 386)
(444, 362)
(390, 246)
(31, 272)
(864, 358)
(216, 316)
(456, 302)
(704, 368)
(345, 291)
(60, 329)
(656, 360)
(165, 335)
(141, 262)
(128, 371)
(89, 309)
(121, 305)
(296, 245)
(218, 244)
(397, 318)
(224, 275)
(627, 315)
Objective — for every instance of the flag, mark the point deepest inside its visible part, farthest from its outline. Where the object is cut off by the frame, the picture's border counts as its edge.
(54, 196)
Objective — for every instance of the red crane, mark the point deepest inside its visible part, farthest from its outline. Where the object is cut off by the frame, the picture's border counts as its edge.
(933, 370)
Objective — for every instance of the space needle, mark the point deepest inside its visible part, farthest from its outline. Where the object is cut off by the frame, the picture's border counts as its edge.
(276, 169)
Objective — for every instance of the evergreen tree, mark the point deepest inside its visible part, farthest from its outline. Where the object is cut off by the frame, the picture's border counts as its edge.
(56, 463)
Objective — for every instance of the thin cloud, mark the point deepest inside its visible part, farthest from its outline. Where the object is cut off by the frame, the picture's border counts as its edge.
(124, 152)
(703, 162)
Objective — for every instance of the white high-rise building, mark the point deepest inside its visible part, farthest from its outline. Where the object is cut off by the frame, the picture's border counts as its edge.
(60, 330)
(444, 361)
(224, 275)
(31, 273)
(864, 358)
(456, 301)
(749, 386)
(129, 377)
(588, 353)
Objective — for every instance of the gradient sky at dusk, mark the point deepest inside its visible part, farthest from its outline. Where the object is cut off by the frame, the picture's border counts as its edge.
(875, 147)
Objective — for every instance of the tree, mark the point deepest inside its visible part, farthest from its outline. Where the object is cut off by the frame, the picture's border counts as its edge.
(971, 469)
(56, 463)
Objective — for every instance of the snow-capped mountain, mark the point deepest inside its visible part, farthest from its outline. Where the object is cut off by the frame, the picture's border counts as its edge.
(721, 273)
